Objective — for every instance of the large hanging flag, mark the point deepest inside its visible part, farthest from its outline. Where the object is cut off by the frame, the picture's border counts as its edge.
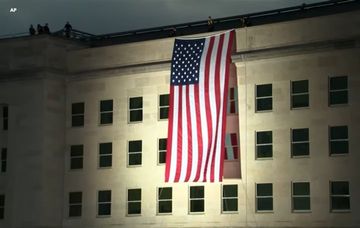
(197, 116)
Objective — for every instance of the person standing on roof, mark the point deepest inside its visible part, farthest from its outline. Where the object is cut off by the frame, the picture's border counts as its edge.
(210, 23)
(46, 29)
(31, 30)
(40, 29)
(67, 29)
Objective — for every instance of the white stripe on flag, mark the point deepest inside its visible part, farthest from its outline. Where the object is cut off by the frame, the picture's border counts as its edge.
(212, 105)
(195, 150)
(184, 146)
(204, 125)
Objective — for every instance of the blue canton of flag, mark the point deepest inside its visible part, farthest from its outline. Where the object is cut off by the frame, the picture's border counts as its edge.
(186, 61)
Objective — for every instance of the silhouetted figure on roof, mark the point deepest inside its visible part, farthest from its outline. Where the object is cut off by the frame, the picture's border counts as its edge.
(67, 29)
(210, 23)
(46, 29)
(40, 29)
(32, 30)
(242, 22)
(172, 32)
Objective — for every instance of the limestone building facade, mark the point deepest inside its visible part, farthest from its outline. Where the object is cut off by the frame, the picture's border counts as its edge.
(83, 131)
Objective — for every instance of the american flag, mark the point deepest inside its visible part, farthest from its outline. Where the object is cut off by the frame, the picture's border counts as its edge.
(197, 116)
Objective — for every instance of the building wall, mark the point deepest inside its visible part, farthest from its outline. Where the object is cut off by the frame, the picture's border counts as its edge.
(37, 188)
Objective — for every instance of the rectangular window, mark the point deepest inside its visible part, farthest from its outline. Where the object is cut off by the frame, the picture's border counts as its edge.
(264, 147)
(104, 203)
(162, 151)
(106, 112)
(264, 197)
(339, 140)
(339, 196)
(231, 146)
(233, 101)
(105, 155)
(75, 204)
(77, 114)
(165, 200)
(300, 94)
(197, 199)
(163, 106)
(3, 159)
(300, 145)
(300, 196)
(134, 201)
(135, 153)
(338, 90)
(263, 97)
(76, 156)
(135, 109)
(5, 114)
(2, 206)
(230, 198)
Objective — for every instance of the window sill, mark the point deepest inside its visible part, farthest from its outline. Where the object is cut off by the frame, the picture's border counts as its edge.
(263, 111)
(105, 168)
(103, 216)
(339, 155)
(300, 156)
(104, 125)
(229, 212)
(341, 211)
(197, 213)
(265, 212)
(338, 105)
(135, 122)
(300, 108)
(264, 159)
(163, 214)
(133, 166)
(133, 215)
(301, 211)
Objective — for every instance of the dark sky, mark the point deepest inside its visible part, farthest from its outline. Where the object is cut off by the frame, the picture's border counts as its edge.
(107, 16)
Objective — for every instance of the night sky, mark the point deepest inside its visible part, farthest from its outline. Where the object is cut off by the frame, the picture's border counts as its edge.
(108, 16)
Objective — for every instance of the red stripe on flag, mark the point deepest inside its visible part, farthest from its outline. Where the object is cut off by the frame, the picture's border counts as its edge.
(179, 138)
(170, 129)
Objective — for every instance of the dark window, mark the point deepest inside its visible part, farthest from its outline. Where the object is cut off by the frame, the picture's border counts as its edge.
(104, 202)
(2, 206)
(5, 112)
(164, 200)
(164, 106)
(230, 198)
(233, 101)
(264, 147)
(162, 151)
(231, 146)
(3, 159)
(134, 201)
(338, 90)
(339, 196)
(135, 152)
(77, 114)
(300, 94)
(339, 141)
(105, 155)
(301, 196)
(197, 200)
(76, 156)
(106, 112)
(264, 97)
(264, 197)
(75, 204)
(136, 109)
(300, 142)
